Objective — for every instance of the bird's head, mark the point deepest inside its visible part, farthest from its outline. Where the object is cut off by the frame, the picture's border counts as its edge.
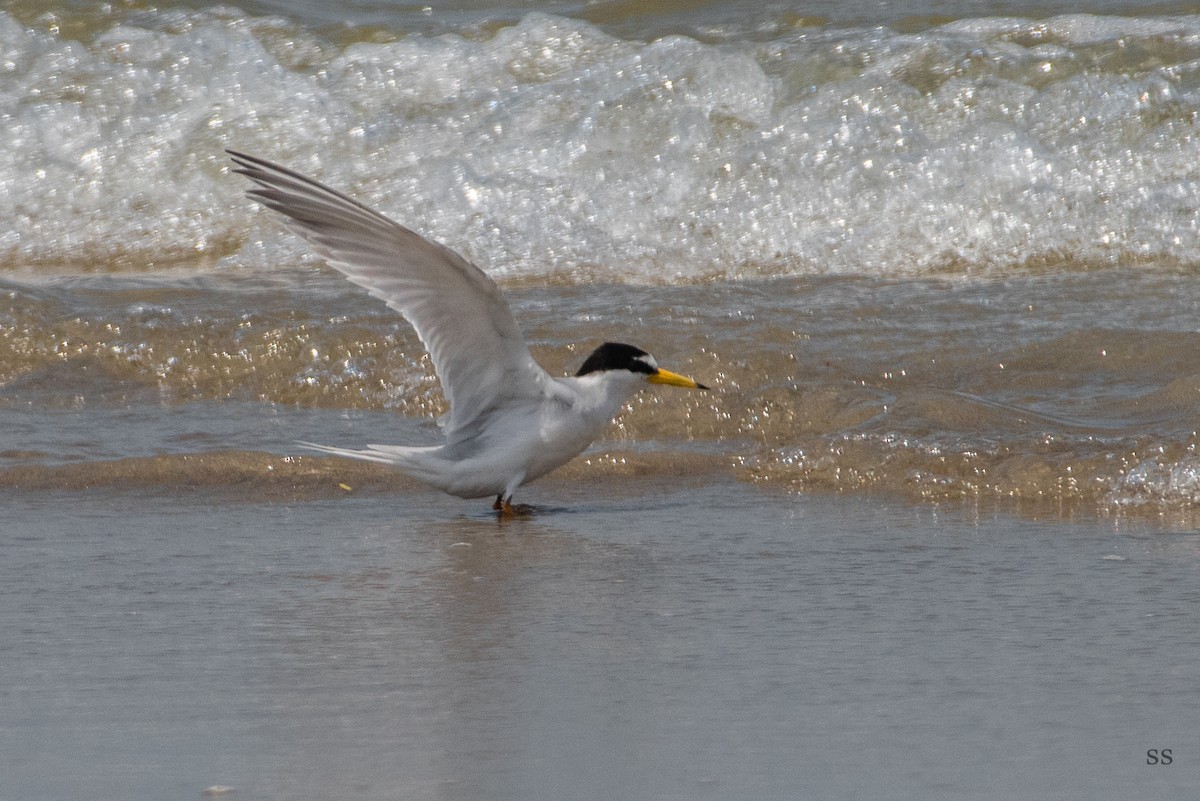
(616, 356)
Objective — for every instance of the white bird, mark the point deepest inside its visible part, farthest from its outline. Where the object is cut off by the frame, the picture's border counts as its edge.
(510, 422)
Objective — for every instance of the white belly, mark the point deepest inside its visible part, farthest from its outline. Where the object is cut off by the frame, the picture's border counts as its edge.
(524, 442)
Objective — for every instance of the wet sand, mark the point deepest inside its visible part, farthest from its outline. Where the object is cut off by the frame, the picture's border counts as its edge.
(642, 636)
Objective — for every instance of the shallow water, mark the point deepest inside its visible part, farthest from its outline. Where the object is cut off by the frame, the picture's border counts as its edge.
(1079, 390)
(941, 259)
(637, 644)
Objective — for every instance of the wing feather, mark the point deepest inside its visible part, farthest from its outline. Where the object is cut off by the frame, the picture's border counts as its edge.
(457, 310)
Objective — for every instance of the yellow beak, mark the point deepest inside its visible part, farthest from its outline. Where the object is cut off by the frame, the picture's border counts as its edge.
(673, 379)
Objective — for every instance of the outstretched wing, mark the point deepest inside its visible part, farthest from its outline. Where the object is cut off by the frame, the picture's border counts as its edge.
(458, 312)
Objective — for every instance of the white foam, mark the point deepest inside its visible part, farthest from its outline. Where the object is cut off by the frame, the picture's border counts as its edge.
(1159, 482)
(551, 147)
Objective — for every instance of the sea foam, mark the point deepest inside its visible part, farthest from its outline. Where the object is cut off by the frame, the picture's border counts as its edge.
(551, 148)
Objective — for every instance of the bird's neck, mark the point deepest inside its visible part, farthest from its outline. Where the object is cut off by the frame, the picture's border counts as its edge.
(601, 396)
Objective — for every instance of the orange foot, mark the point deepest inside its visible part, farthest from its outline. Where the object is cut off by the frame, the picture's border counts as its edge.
(508, 509)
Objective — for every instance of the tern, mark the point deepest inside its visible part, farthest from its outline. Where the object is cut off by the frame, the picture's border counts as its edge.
(510, 422)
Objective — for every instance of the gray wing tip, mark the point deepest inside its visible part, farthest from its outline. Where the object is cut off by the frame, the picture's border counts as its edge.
(262, 172)
(248, 165)
(278, 188)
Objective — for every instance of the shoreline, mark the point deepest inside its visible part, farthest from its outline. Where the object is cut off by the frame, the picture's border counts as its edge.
(248, 477)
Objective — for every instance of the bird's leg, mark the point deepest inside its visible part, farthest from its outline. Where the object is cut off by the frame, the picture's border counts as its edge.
(504, 504)
(506, 510)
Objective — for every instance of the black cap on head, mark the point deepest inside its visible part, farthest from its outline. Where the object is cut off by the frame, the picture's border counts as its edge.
(616, 356)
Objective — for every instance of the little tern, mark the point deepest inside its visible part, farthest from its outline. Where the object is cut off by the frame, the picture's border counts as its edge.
(510, 422)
